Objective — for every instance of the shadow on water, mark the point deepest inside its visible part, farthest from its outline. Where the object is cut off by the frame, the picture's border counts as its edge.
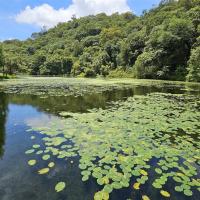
(20, 182)
(81, 104)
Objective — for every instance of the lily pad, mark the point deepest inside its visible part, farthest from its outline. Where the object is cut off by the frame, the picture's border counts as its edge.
(145, 197)
(188, 192)
(60, 186)
(51, 164)
(46, 157)
(32, 162)
(165, 193)
(158, 171)
(119, 143)
(36, 146)
(102, 195)
(30, 151)
(43, 171)
(136, 186)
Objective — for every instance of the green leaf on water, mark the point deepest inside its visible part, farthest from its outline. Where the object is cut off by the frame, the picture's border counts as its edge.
(46, 157)
(30, 151)
(43, 171)
(51, 164)
(158, 171)
(102, 195)
(188, 192)
(165, 193)
(60, 186)
(157, 185)
(85, 178)
(178, 189)
(32, 162)
(39, 152)
(108, 188)
(136, 186)
(36, 146)
(145, 197)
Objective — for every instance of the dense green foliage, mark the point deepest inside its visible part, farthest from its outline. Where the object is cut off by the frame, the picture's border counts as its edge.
(156, 45)
(194, 66)
(1, 58)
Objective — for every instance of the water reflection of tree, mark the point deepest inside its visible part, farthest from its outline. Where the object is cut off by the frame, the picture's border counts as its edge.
(3, 115)
(56, 104)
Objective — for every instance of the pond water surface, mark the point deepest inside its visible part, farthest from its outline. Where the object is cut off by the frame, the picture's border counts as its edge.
(19, 181)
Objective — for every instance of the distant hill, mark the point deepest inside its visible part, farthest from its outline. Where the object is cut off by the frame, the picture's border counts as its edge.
(163, 43)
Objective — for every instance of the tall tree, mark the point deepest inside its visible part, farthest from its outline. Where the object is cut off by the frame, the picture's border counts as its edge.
(1, 59)
(194, 66)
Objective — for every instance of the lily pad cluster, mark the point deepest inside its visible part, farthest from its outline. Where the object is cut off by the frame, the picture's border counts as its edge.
(59, 86)
(120, 143)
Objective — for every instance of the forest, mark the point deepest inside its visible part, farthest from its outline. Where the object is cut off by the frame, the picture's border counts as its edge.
(162, 43)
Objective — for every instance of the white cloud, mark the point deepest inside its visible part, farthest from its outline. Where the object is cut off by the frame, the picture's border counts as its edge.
(46, 15)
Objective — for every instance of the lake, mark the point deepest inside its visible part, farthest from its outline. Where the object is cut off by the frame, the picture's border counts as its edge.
(128, 141)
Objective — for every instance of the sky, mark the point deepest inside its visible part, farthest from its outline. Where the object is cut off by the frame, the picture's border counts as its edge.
(20, 18)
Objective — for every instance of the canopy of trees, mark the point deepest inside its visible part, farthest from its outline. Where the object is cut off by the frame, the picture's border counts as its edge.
(163, 43)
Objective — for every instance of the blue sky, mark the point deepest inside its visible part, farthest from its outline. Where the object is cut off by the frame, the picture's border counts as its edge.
(19, 21)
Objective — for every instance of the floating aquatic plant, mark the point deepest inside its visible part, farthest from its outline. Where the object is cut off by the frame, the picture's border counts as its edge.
(136, 186)
(29, 151)
(119, 143)
(43, 171)
(102, 195)
(36, 146)
(144, 197)
(32, 162)
(60, 186)
(51, 164)
(46, 157)
(164, 193)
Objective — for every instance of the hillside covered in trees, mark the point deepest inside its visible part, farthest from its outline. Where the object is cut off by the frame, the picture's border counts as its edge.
(163, 43)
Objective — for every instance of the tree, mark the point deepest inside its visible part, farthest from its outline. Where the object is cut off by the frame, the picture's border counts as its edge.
(11, 65)
(1, 59)
(112, 49)
(172, 41)
(187, 4)
(131, 49)
(109, 34)
(194, 66)
(57, 65)
(146, 66)
(67, 65)
(38, 60)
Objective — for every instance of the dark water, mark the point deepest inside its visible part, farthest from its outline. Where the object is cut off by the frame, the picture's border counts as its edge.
(18, 181)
